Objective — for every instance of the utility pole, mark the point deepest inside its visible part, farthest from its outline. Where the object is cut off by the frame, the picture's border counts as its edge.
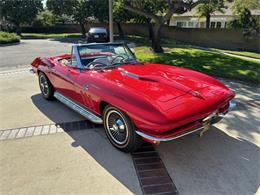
(111, 33)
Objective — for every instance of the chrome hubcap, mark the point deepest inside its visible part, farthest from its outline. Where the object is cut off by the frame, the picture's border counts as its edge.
(116, 127)
(44, 85)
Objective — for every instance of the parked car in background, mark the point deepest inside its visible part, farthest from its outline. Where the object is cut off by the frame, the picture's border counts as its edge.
(97, 34)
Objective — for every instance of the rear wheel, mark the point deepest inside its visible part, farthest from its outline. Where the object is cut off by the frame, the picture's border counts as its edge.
(120, 130)
(46, 87)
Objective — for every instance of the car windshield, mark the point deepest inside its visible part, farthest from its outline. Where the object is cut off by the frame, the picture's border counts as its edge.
(105, 55)
(97, 30)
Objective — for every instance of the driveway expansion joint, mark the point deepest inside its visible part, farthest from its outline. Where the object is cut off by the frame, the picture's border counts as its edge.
(23, 132)
(151, 172)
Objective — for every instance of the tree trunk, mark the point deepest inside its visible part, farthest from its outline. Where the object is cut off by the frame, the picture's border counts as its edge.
(18, 29)
(120, 31)
(83, 30)
(168, 22)
(156, 41)
(208, 21)
(150, 29)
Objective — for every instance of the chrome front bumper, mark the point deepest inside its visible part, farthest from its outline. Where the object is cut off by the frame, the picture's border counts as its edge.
(211, 119)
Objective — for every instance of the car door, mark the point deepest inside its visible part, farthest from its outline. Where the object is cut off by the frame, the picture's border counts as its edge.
(59, 78)
(76, 86)
(62, 79)
(83, 89)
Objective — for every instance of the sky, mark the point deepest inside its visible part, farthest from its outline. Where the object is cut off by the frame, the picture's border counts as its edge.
(44, 3)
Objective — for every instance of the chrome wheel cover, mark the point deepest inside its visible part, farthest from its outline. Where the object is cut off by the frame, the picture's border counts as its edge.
(116, 127)
(44, 85)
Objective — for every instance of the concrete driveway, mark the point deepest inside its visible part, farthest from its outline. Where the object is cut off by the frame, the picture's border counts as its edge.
(225, 160)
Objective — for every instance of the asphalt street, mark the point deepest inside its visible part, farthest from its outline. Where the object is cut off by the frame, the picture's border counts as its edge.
(23, 54)
(225, 160)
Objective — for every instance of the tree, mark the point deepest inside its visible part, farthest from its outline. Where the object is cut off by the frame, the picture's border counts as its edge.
(245, 21)
(161, 15)
(19, 12)
(120, 15)
(152, 8)
(99, 9)
(240, 5)
(44, 18)
(80, 10)
(207, 9)
(60, 7)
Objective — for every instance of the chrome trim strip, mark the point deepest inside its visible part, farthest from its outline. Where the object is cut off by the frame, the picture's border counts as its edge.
(84, 112)
(166, 139)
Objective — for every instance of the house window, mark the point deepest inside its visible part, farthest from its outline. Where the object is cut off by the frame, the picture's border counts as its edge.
(181, 24)
(226, 25)
(218, 24)
(202, 24)
(190, 24)
(212, 24)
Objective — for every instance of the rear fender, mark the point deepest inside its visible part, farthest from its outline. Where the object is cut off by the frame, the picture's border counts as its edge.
(41, 64)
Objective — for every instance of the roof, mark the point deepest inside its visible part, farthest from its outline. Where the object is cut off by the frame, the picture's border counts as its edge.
(227, 12)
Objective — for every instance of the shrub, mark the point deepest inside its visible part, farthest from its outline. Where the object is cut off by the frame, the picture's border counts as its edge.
(6, 37)
(44, 18)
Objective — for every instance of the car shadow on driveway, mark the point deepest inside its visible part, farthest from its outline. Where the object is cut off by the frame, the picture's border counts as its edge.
(213, 164)
(95, 143)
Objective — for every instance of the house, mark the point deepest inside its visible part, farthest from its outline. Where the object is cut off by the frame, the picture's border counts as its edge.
(217, 20)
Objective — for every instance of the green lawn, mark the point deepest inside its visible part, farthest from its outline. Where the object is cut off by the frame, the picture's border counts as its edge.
(211, 63)
(45, 35)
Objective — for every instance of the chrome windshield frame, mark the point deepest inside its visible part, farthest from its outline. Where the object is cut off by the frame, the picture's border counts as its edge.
(75, 48)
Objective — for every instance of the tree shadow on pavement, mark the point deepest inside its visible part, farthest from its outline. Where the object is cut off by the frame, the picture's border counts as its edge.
(214, 164)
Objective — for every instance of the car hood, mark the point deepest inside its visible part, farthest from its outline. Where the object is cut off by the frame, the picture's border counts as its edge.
(163, 84)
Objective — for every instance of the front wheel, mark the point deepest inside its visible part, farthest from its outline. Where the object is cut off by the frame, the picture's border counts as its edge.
(120, 130)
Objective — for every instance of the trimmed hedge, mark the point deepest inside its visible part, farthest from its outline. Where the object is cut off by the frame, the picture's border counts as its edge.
(6, 38)
(52, 29)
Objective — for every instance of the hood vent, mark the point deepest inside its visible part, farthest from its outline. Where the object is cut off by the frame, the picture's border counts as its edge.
(125, 73)
(142, 78)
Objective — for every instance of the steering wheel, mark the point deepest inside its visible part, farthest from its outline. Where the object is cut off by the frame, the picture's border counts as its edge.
(93, 64)
(119, 56)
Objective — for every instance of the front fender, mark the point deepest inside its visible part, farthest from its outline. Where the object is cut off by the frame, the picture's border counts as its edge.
(137, 107)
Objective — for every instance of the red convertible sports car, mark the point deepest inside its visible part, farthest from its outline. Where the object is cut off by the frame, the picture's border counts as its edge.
(135, 101)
